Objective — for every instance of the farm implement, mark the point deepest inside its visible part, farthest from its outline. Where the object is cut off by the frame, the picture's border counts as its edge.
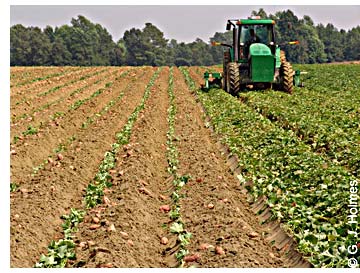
(253, 60)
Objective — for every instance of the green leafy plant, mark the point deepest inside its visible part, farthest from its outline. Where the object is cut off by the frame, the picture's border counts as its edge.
(175, 213)
(15, 139)
(184, 239)
(181, 254)
(179, 182)
(71, 222)
(57, 115)
(63, 250)
(177, 227)
(13, 187)
(306, 190)
(31, 130)
(58, 254)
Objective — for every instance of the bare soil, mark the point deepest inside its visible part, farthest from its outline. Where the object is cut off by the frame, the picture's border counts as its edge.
(132, 226)
(37, 206)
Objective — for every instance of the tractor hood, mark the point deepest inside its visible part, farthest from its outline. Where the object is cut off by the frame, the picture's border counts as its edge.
(262, 63)
(258, 49)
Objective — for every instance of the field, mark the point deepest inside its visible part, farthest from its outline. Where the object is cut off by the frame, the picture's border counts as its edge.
(137, 167)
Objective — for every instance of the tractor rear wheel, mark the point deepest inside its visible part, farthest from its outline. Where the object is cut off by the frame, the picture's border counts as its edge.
(233, 78)
(287, 77)
(226, 60)
(282, 56)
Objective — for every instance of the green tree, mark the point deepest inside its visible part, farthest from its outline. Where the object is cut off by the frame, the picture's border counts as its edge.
(333, 42)
(84, 41)
(29, 46)
(134, 48)
(183, 55)
(19, 45)
(352, 44)
(60, 55)
(118, 55)
(104, 47)
(50, 33)
(145, 47)
(260, 13)
(201, 53)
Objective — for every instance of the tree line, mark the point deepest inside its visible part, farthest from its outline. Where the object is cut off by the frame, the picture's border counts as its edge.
(84, 43)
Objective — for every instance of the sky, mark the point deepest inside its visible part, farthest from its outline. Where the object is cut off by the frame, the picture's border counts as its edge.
(184, 23)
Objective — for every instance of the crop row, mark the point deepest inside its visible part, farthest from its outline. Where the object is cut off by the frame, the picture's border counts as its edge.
(18, 74)
(307, 192)
(57, 101)
(89, 120)
(32, 129)
(46, 77)
(26, 99)
(59, 255)
(82, 78)
(178, 226)
(327, 120)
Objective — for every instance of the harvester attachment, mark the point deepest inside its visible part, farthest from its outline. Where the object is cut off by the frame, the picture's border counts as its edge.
(297, 81)
(212, 80)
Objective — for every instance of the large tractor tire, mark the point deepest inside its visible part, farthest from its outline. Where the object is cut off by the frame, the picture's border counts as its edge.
(287, 77)
(226, 60)
(282, 56)
(233, 78)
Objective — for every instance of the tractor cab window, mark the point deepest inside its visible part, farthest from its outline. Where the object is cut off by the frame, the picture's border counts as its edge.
(258, 33)
(250, 34)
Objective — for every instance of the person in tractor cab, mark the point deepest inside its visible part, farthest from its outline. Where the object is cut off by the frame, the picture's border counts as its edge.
(253, 37)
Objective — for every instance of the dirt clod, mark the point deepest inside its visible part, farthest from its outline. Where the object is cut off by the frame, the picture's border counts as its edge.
(165, 208)
(124, 234)
(253, 234)
(145, 191)
(111, 228)
(107, 265)
(60, 156)
(219, 250)
(192, 258)
(94, 226)
(164, 240)
(205, 246)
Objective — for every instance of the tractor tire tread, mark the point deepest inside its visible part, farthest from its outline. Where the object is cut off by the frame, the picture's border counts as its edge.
(234, 78)
(287, 75)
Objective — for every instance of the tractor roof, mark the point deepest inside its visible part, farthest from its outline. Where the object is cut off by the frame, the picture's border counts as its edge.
(255, 22)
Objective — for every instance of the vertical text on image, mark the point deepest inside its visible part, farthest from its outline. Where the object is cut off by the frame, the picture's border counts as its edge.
(353, 221)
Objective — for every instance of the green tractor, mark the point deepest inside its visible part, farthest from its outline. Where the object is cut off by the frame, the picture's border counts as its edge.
(254, 60)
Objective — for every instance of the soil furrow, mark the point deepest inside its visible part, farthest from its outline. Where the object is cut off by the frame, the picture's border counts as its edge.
(24, 74)
(62, 106)
(27, 106)
(140, 177)
(59, 187)
(56, 134)
(37, 84)
(28, 75)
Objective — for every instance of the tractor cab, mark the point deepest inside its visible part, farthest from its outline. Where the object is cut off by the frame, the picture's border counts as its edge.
(249, 31)
(251, 34)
